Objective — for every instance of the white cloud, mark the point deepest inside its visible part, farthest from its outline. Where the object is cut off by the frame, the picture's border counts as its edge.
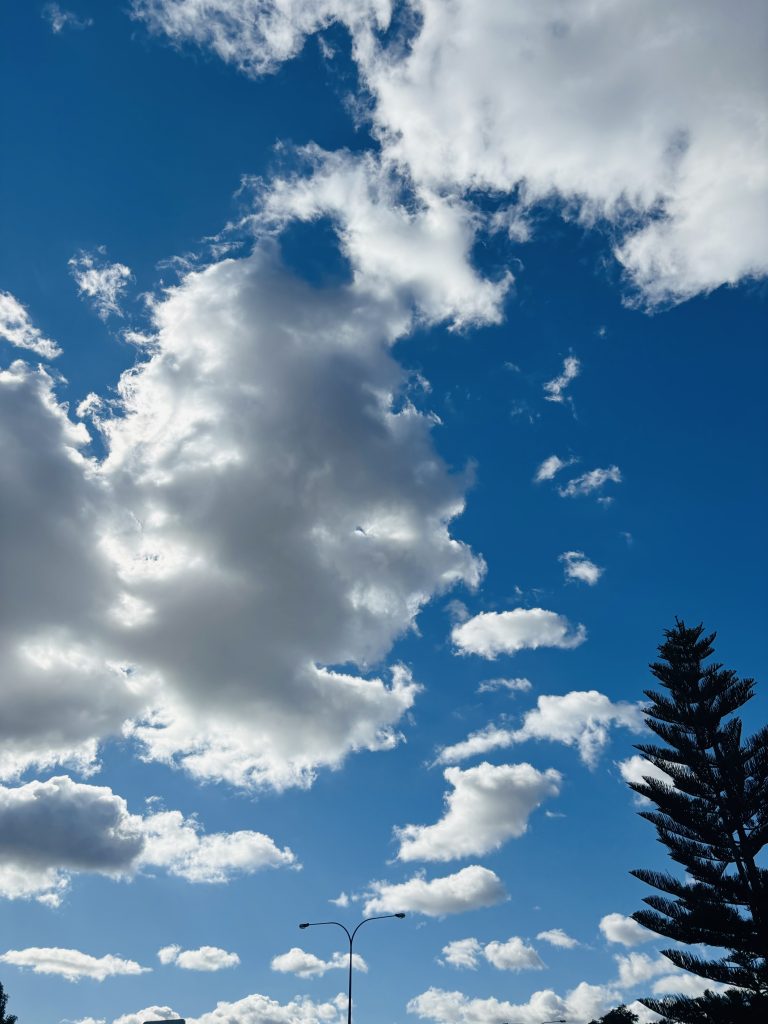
(469, 889)
(589, 482)
(307, 965)
(578, 567)
(253, 1009)
(168, 954)
(581, 1003)
(682, 983)
(60, 19)
(53, 829)
(254, 380)
(550, 467)
(517, 685)
(71, 963)
(554, 390)
(206, 958)
(177, 844)
(636, 769)
(488, 805)
(463, 953)
(581, 718)
(100, 282)
(621, 929)
(342, 900)
(17, 328)
(148, 1013)
(492, 633)
(513, 955)
(416, 251)
(557, 937)
(614, 110)
(636, 968)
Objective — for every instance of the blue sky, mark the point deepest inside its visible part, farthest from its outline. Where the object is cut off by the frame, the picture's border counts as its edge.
(297, 304)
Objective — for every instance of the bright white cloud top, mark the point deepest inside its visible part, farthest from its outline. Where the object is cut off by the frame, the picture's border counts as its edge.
(559, 938)
(621, 929)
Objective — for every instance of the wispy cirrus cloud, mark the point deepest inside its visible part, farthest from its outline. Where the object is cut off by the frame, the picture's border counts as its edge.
(17, 328)
(100, 282)
(590, 482)
(554, 390)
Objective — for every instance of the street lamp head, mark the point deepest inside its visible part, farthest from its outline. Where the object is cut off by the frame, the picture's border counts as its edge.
(401, 916)
(305, 924)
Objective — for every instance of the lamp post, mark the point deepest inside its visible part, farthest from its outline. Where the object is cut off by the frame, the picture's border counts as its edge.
(351, 937)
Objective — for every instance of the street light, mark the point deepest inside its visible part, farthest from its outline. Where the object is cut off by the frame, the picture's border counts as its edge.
(351, 937)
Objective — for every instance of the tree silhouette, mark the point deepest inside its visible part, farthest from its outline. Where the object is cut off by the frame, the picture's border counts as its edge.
(5, 1018)
(712, 816)
(621, 1015)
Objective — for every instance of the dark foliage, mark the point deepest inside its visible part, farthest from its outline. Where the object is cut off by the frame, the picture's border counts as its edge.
(5, 1018)
(713, 819)
(621, 1015)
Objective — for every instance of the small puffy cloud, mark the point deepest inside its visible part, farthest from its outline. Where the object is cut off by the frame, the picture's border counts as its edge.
(589, 482)
(178, 844)
(513, 955)
(342, 900)
(488, 805)
(59, 19)
(557, 937)
(577, 566)
(581, 718)
(550, 467)
(492, 633)
(168, 954)
(623, 930)
(554, 390)
(517, 685)
(469, 889)
(581, 1003)
(51, 830)
(206, 958)
(17, 328)
(463, 953)
(99, 281)
(71, 963)
(306, 965)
